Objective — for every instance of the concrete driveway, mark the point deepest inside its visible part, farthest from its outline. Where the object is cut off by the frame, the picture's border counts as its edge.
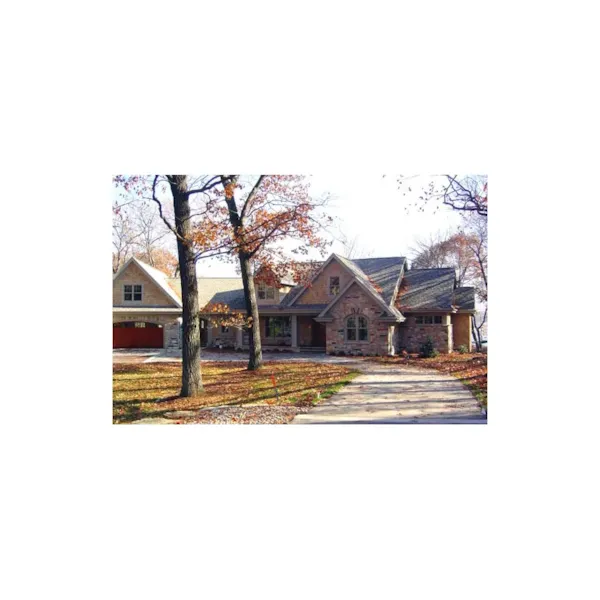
(160, 355)
(387, 393)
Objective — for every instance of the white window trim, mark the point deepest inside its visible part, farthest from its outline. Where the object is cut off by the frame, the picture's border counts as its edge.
(262, 287)
(356, 341)
(428, 324)
(133, 292)
(339, 286)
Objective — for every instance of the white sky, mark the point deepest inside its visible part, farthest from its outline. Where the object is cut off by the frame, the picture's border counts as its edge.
(373, 208)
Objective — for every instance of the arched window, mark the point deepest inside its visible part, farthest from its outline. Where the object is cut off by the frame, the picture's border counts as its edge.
(356, 329)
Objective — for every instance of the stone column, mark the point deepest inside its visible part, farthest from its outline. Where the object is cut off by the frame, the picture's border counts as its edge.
(295, 334)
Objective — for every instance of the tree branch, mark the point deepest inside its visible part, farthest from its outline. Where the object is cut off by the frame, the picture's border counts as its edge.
(160, 212)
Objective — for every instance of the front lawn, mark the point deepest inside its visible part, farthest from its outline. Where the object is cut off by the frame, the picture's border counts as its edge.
(470, 369)
(151, 389)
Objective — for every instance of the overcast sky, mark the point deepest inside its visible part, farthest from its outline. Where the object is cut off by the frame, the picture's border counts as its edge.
(371, 207)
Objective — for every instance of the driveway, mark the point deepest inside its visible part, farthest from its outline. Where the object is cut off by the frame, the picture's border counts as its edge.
(387, 393)
(383, 393)
(160, 355)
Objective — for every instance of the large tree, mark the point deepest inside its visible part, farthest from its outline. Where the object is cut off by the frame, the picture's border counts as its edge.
(257, 218)
(182, 191)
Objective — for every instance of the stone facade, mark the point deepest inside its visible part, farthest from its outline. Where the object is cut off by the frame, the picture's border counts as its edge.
(356, 302)
(216, 337)
(412, 335)
(318, 292)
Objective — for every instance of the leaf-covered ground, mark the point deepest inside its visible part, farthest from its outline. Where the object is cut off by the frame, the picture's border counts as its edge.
(151, 389)
(470, 369)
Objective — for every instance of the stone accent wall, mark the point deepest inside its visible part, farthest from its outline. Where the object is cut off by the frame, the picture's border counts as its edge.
(461, 326)
(356, 302)
(412, 336)
(218, 338)
(318, 293)
(152, 295)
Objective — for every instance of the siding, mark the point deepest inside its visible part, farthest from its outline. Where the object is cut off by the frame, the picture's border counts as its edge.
(152, 295)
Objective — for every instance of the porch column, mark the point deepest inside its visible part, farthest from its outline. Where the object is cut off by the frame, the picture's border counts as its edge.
(208, 333)
(238, 338)
(295, 334)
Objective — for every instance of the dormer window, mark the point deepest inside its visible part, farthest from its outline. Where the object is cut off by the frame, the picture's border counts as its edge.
(132, 293)
(266, 292)
(334, 286)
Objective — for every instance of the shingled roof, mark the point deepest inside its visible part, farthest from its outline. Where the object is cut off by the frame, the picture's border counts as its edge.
(372, 272)
(384, 272)
(464, 298)
(421, 289)
(433, 289)
(216, 290)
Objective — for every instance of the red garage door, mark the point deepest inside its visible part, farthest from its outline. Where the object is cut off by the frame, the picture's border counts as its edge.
(137, 335)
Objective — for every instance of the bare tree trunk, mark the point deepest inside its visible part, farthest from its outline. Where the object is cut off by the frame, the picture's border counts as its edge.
(191, 375)
(476, 330)
(476, 335)
(255, 358)
(237, 222)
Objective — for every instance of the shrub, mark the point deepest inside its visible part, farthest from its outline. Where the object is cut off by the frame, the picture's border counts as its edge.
(462, 349)
(428, 349)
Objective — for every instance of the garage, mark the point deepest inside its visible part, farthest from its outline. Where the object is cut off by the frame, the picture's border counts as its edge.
(137, 334)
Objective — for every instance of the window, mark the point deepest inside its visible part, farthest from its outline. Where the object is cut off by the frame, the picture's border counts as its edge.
(224, 329)
(429, 320)
(132, 293)
(334, 286)
(356, 329)
(266, 292)
(278, 327)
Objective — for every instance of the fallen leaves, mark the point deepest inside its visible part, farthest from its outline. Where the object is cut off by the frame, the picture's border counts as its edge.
(151, 389)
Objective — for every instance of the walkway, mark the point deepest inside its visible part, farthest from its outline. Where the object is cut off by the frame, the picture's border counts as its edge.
(397, 394)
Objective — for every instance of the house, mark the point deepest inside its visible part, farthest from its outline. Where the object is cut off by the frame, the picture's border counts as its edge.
(360, 306)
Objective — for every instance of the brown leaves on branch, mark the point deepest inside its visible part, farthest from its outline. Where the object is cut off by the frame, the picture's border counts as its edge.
(221, 314)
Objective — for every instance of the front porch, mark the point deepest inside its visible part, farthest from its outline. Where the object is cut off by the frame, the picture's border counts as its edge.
(291, 333)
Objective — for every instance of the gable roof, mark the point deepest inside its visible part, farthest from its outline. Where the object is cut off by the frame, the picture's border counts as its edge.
(367, 272)
(216, 290)
(423, 289)
(221, 290)
(383, 272)
(158, 277)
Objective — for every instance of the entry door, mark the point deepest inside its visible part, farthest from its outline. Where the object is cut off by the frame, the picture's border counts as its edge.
(318, 334)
